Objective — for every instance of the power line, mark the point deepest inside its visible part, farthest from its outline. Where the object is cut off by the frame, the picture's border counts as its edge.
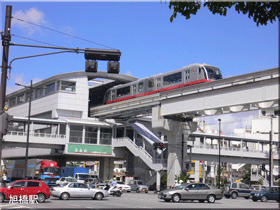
(35, 40)
(63, 33)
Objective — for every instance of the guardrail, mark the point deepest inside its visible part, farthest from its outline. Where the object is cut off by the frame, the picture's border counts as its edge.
(36, 138)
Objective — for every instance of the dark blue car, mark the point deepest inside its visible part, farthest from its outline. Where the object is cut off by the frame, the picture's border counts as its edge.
(269, 193)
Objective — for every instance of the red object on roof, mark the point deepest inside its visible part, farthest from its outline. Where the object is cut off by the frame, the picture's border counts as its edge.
(47, 163)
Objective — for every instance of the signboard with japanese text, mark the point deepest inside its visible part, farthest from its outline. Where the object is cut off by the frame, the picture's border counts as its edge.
(89, 149)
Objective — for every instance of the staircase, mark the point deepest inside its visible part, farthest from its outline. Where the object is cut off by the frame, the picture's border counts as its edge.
(138, 151)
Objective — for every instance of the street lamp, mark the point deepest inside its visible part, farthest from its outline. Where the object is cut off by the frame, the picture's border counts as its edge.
(219, 183)
(28, 127)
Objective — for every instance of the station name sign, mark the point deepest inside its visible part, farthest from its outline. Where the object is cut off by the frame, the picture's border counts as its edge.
(89, 149)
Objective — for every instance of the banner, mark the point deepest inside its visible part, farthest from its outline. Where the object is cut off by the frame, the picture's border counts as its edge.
(89, 149)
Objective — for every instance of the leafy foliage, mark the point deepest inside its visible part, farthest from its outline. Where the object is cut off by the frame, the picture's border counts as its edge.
(163, 180)
(262, 12)
(246, 174)
(183, 176)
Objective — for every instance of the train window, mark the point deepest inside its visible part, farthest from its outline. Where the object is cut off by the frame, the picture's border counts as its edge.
(173, 78)
(151, 83)
(140, 87)
(133, 89)
(187, 74)
(123, 91)
(113, 94)
(158, 82)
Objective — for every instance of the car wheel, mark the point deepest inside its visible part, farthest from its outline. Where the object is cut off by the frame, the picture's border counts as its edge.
(211, 199)
(119, 194)
(64, 196)
(255, 200)
(128, 191)
(201, 201)
(234, 195)
(146, 191)
(176, 198)
(2, 197)
(41, 198)
(167, 200)
(98, 196)
(227, 189)
(263, 198)
(137, 190)
(227, 196)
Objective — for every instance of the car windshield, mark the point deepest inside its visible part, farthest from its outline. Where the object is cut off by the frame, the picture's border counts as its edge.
(84, 176)
(140, 183)
(265, 190)
(213, 72)
(71, 179)
(182, 186)
(64, 184)
(52, 170)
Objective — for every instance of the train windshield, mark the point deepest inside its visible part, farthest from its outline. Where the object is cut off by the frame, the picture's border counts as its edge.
(52, 171)
(213, 72)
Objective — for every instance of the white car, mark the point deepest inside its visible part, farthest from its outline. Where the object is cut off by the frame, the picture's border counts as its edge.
(78, 190)
(123, 187)
(63, 180)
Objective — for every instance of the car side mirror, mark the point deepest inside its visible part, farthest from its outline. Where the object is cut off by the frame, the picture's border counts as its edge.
(12, 187)
(187, 189)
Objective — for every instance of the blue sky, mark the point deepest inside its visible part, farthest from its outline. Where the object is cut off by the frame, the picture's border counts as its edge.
(149, 42)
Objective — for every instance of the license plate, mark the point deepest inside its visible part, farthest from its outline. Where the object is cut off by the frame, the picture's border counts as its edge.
(143, 190)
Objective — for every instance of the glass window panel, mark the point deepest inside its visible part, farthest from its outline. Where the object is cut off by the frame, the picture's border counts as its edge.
(91, 135)
(151, 83)
(50, 88)
(140, 87)
(68, 86)
(123, 91)
(173, 78)
(12, 102)
(21, 99)
(106, 136)
(76, 133)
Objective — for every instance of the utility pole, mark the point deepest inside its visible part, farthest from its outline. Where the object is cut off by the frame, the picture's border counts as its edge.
(270, 153)
(6, 38)
(219, 183)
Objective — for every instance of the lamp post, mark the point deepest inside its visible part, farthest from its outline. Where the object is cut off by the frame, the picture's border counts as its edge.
(28, 127)
(219, 168)
(270, 152)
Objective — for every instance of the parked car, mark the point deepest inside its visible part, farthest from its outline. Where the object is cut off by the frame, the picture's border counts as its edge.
(237, 189)
(193, 191)
(269, 193)
(138, 186)
(30, 188)
(78, 190)
(123, 187)
(63, 180)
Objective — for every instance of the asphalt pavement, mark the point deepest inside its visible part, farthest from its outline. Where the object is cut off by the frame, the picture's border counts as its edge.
(141, 201)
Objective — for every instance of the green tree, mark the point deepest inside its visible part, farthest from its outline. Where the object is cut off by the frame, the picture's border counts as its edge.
(246, 174)
(184, 176)
(262, 12)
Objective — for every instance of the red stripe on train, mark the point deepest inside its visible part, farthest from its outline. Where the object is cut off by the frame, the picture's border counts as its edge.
(157, 91)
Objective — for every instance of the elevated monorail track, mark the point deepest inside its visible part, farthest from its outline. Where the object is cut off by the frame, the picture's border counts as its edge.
(257, 90)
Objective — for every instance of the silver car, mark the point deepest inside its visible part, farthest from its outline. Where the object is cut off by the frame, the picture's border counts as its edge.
(194, 191)
(138, 186)
(78, 190)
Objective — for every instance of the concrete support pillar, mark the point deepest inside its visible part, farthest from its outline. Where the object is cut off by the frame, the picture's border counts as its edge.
(158, 181)
(98, 135)
(106, 168)
(130, 159)
(84, 134)
(175, 162)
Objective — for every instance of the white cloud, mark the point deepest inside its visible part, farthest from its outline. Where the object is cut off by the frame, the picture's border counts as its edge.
(128, 73)
(229, 122)
(20, 80)
(32, 15)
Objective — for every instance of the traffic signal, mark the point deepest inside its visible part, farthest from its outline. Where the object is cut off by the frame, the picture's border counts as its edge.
(187, 166)
(5, 120)
(91, 66)
(113, 67)
(263, 167)
(100, 54)
(158, 145)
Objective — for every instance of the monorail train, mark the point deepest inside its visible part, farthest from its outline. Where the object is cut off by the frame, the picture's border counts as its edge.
(186, 76)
